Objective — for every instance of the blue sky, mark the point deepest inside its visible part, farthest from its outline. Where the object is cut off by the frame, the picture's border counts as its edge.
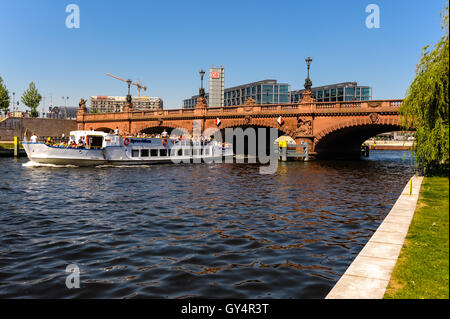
(166, 43)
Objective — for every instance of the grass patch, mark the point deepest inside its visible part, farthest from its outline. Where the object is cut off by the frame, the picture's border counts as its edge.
(422, 269)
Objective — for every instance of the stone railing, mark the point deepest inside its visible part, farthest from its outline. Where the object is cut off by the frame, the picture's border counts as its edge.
(249, 109)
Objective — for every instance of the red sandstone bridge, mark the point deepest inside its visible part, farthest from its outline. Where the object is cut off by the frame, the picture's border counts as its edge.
(329, 128)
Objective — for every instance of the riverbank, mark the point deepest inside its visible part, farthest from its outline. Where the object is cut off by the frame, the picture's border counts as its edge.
(422, 270)
(369, 274)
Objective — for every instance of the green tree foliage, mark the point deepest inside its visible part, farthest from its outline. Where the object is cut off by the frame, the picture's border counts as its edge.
(31, 98)
(425, 107)
(4, 98)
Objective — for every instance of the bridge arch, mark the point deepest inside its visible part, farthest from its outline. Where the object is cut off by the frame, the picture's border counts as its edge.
(269, 123)
(344, 140)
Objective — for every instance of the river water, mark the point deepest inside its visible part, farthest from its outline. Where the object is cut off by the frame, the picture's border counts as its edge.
(198, 230)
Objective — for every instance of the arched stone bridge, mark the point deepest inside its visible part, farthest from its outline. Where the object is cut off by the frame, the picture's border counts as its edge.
(330, 128)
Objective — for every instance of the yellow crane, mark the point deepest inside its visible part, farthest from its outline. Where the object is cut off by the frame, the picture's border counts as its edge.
(138, 85)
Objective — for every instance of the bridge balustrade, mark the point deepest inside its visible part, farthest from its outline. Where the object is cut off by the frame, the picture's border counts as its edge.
(270, 108)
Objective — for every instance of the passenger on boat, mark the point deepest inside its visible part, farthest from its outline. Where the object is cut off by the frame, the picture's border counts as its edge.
(49, 141)
(164, 134)
(80, 143)
(116, 131)
(33, 138)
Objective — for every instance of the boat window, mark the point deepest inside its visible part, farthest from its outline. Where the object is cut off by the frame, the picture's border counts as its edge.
(180, 152)
(144, 153)
(162, 152)
(134, 153)
(206, 151)
(187, 152)
(153, 152)
(196, 152)
(95, 142)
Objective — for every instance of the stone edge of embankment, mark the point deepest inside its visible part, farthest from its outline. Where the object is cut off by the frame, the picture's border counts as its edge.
(369, 274)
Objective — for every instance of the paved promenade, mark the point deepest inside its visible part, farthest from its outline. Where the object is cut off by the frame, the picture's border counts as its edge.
(369, 274)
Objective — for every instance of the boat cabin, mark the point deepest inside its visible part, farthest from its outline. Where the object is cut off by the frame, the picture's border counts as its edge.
(94, 139)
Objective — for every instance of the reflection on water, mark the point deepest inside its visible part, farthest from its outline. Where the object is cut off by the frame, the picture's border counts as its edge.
(177, 231)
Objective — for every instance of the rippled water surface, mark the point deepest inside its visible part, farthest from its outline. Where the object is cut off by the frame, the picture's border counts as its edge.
(178, 231)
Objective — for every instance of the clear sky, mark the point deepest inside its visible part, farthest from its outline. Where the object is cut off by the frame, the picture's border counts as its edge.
(166, 43)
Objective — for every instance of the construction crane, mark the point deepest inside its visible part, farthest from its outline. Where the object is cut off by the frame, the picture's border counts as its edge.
(138, 85)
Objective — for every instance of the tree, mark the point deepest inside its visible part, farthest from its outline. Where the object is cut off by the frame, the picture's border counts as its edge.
(31, 98)
(425, 107)
(4, 98)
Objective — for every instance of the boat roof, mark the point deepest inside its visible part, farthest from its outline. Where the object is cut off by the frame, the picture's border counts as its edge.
(98, 133)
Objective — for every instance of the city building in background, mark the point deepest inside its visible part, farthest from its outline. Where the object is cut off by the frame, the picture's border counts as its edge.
(110, 104)
(271, 92)
(263, 92)
(336, 92)
(216, 87)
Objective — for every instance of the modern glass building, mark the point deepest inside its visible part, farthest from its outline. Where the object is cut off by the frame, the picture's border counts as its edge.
(336, 92)
(271, 92)
(263, 92)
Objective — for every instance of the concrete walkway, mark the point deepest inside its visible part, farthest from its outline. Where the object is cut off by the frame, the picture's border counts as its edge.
(369, 274)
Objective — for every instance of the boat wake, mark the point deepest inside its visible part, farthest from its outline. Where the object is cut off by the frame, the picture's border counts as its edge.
(34, 164)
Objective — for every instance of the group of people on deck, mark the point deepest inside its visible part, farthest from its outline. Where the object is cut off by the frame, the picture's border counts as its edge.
(67, 144)
(164, 134)
(81, 143)
(64, 142)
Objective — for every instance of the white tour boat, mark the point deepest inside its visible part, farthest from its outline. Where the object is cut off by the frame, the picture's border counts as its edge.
(100, 148)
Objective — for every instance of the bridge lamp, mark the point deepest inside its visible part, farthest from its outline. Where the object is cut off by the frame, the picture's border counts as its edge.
(308, 83)
(308, 61)
(202, 90)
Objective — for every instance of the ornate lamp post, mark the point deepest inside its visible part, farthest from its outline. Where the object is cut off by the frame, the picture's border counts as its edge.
(202, 90)
(307, 96)
(308, 83)
(128, 104)
(201, 101)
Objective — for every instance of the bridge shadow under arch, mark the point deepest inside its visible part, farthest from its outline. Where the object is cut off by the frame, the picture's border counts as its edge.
(345, 142)
(156, 129)
(104, 129)
(258, 131)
